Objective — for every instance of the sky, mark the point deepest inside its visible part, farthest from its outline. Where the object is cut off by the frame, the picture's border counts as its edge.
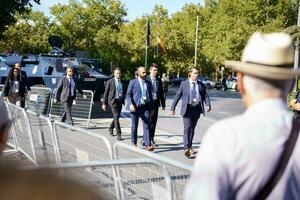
(135, 8)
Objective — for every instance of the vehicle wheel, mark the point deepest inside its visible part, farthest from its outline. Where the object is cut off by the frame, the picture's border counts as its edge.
(39, 99)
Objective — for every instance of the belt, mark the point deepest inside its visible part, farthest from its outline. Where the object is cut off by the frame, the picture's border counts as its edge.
(194, 105)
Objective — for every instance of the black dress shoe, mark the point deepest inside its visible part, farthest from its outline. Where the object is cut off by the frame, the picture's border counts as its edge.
(119, 138)
(154, 143)
(110, 132)
(142, 142)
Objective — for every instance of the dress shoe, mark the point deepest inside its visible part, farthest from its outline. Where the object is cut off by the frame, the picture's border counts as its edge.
(187, 152)
(111, 133)
(134, 145)
(119, 138)
(149, 148)
(154, 143)
(192, 152)
(142, 142)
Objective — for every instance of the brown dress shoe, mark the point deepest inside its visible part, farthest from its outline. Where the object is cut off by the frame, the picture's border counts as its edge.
(149, 148)
(192, 151)
(187, 152)
(134, 145)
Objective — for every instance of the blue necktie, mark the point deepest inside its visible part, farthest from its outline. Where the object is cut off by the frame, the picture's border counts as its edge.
(194, 93)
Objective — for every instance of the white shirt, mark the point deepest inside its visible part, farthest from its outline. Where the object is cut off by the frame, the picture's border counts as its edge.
(238, 155)
(143, 87)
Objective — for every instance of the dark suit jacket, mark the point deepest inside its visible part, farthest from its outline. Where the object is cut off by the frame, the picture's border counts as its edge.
(160, 93)
(25, 80)
(62, 92)
(134, 94)
(184, 93)
(110, 92)
(9, 85)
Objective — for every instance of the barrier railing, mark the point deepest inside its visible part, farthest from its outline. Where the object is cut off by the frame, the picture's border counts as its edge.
(39, 100)
(43, 138)
(81, 108)
(23, 132)
(12, 142)
(179, 172)
(77, 144)
(138, 178)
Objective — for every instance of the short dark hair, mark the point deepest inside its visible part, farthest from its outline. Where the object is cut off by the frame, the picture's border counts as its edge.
(153, 65)
(116, 68)
(69, 67)
(191, 69)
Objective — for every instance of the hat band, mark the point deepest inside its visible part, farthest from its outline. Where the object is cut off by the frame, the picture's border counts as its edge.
(291, 65)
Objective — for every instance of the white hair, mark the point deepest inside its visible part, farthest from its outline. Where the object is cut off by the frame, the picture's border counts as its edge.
(258, 87)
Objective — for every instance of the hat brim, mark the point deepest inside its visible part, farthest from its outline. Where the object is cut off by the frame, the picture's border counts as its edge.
(263, 71)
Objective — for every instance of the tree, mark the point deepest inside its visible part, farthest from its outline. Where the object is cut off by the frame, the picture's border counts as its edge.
(9, 8)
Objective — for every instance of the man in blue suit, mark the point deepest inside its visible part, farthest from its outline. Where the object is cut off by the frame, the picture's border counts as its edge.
(193, 95)
(140, 105)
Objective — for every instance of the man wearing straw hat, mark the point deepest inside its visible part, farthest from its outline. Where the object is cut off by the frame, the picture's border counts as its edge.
(255, 155)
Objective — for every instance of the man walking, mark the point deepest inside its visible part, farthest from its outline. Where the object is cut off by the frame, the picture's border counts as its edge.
(158, 99)
(24, 79)
(252, 156)
(114, 97)
(193, 94)
(140, 105)
(66, 93)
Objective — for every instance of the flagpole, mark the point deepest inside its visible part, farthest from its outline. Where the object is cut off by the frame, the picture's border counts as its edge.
(147, 40)
(196, 42)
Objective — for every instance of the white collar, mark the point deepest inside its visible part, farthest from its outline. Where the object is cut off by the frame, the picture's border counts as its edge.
(190, 81)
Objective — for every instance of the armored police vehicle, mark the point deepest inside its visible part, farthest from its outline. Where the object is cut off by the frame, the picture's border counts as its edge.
(44, 70)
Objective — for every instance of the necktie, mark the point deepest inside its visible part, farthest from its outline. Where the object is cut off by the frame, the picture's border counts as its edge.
(194, 93)
(70, 87)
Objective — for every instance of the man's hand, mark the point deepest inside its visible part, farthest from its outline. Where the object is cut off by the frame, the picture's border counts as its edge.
(132, 108)
(172, 112)
(163, 108)
(208, 109)
(84, 96)
(104, 107)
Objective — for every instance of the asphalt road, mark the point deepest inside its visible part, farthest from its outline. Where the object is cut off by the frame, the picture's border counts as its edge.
(170, 128)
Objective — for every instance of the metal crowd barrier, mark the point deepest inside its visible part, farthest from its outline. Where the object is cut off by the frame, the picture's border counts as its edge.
(40, 100)
(180, 173)
(137, 178)
(81, 109)
(23, 132)
(76, 144)
(12, 142)
(43, 138)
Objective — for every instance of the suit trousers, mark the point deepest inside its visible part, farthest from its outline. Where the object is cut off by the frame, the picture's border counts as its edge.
(116, 108)
(153, 121)
(142, 112)
(67, 111)
(190, 120)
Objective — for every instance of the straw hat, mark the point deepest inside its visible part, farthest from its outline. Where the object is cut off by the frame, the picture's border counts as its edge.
(269, 56)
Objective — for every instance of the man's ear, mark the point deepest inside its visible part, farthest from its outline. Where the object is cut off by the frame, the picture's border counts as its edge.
(240, 83)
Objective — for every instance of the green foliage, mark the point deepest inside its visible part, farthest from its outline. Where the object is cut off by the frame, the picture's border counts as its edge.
(9, 8)
(99, 27)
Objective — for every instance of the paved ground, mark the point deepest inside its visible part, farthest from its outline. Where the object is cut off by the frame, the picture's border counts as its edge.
(170, 128)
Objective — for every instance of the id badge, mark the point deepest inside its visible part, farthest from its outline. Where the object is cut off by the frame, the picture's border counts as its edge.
(194, 100)
(17, 90)
(144, 98)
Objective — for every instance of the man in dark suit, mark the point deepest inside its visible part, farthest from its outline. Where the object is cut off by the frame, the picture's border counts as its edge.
(66, 93)
(140, 105)
(158, 98)
(193, 94)
(114, 97)
(24, 79)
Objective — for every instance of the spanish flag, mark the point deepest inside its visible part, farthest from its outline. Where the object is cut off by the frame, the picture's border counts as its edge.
(160, 45)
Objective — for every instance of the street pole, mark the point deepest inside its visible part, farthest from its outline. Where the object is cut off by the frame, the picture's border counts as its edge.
(196, 42)
(296, 56)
